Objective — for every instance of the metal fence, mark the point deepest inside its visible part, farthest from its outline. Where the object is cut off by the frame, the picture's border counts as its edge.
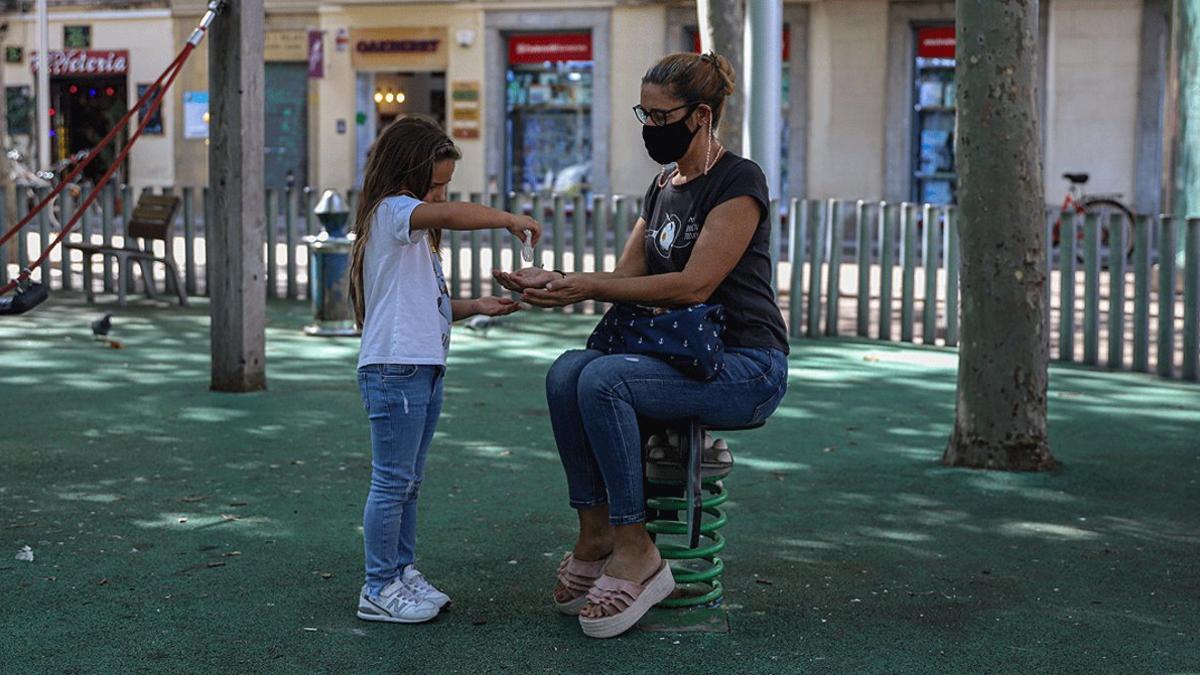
(885, 271)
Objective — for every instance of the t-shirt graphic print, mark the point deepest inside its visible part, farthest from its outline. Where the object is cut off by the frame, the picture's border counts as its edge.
(672, 234)
(674, 217)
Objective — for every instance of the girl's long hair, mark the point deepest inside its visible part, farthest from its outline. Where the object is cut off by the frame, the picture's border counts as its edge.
(400, 162)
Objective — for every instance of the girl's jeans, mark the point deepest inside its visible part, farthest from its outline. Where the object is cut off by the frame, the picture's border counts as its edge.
(596, 399)
(403, 403)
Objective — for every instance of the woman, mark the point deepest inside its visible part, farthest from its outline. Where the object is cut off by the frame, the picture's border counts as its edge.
(703, 236)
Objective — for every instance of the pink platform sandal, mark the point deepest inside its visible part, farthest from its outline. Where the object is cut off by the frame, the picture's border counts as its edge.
(578, 576)
(625, 602)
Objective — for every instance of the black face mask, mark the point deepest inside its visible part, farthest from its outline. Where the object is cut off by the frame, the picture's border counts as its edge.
(668, 143)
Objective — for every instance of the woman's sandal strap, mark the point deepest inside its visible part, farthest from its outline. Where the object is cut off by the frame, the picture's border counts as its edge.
(615, 594)
(578, 576)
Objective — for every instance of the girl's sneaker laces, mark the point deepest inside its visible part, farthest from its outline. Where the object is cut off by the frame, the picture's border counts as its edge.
(421, 587)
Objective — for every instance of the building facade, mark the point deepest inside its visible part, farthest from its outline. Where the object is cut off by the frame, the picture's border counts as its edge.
(538, 94)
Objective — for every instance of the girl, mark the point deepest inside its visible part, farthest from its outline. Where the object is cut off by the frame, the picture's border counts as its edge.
(402, 305)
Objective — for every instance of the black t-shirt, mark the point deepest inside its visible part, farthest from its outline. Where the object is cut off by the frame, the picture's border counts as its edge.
(674, 216)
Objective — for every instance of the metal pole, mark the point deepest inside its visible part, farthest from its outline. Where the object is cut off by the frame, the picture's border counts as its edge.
(765, 19)
(43, 86)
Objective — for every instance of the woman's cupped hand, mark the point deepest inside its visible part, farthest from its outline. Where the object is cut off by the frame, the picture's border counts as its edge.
(559, 292)
(543, 288)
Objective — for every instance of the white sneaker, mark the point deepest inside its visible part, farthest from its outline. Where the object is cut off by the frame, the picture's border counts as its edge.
(422, 588)
(396, 603)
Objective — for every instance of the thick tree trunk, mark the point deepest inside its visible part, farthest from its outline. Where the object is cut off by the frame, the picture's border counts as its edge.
(722, 29)
(1000, 421)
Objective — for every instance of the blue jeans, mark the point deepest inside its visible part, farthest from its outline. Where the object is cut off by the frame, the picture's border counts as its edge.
(596, 399)
(403, 403)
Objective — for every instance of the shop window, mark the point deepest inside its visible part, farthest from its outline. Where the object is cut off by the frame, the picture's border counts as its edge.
(20, 110)
(934, 91)
(548, 103)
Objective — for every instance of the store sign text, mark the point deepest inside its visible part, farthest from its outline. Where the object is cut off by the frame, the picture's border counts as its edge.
(540, 48)
(936, 42)
(401, 48)
(396, 46)
(85, 62)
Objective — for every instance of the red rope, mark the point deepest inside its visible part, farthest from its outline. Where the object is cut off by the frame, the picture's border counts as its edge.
(158, 92)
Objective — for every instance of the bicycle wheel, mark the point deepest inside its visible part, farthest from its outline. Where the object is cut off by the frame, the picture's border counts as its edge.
(1112, 214)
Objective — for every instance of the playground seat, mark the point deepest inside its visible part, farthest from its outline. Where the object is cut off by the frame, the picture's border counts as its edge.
(691, 439)
(151, 220)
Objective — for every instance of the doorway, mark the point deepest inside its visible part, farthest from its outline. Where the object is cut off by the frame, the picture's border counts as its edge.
(285, 146)
(382, 98)
(83, 111)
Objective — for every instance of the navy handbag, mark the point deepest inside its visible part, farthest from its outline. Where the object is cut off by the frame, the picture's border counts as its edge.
(688, 339)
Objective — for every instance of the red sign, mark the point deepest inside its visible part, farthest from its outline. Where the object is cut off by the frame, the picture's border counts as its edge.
(316, 54)
(556, 47)
(936, 42)
(85, 62)
(787, 42)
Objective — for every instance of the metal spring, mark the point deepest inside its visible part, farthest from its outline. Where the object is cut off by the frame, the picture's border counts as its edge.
(700, 586)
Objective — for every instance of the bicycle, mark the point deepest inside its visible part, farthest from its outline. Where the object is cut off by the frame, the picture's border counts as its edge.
(1112, 213)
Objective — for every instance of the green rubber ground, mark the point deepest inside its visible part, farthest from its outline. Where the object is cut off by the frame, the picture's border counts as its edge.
(178, 530)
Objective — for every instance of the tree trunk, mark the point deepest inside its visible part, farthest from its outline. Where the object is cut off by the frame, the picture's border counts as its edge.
(722, 29)
(1000, 421)
(1184, 150)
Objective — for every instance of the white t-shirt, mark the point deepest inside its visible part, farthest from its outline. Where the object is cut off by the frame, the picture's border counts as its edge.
(407, 305)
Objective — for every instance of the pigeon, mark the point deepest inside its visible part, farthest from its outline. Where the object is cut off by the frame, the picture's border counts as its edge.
(101, 326)
(481, 324)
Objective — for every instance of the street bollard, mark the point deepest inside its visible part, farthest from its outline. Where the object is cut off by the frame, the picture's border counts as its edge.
(329, 278)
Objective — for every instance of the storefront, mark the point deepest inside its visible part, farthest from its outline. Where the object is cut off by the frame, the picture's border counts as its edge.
(88, 96)
(540, 99)
(100, 63)
(548, 102)
(398, 71)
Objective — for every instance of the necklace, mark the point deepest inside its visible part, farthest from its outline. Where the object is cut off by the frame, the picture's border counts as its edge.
(664, 177)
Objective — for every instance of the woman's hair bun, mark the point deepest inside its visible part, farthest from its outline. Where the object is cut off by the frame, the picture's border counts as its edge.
(724, 69)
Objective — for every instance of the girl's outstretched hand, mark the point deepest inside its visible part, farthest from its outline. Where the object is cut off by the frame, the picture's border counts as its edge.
(493, 306)
(519, 224)
(528, 277)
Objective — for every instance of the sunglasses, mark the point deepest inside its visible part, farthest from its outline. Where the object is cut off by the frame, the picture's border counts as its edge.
(659, 117)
